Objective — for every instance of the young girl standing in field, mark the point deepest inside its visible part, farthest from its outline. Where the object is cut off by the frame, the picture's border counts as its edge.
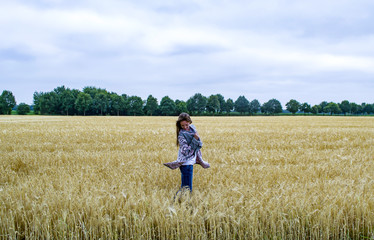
(189, 152)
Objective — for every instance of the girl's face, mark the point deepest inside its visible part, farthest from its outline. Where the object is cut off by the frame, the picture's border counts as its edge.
(185, 125)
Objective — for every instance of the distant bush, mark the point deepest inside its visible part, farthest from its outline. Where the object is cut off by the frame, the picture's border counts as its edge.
(23, 109)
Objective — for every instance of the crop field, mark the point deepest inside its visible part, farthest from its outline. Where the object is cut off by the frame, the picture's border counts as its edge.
(294, 177)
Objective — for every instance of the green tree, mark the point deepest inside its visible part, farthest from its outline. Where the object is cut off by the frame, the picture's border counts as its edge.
(167, 106)
(315, 109)
(75, 93)
(101, 102)
(213, 104)
(229, 106)
(192, 105)
(323, 105)
(151, 105)
(92, 91)
(36, 102)
(241, 104)
(332, 108)
(371, 109)
(7, 102)
(273, 106)
(254, 107)
(197, 104)
(345, 106)
(2, 106)
(126, 104)
(293, 106)
(63, 101)
(354, 108)
(201, 103)
(305, 108)
(359, 109)
(135, 106)
(55, 102)
(83, 102)
(68, 100)
(222, 103)
(23, 109)
(367, 108)
(116, 103)
(44, 103)
(181, 106)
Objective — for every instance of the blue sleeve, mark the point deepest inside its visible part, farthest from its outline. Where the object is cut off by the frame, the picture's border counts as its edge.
(196, 144)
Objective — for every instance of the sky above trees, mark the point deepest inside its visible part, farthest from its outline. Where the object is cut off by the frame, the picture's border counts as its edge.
(311, 51)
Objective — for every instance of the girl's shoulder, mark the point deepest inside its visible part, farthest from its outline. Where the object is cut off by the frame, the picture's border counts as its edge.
(193, 127)
(191, 131)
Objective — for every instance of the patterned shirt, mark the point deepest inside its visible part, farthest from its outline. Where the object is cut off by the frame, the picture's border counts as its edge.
(187, 150)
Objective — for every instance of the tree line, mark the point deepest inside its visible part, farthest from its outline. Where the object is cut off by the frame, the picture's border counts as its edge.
(98, 101)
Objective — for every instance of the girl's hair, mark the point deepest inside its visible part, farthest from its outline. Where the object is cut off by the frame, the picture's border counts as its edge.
(182, 117)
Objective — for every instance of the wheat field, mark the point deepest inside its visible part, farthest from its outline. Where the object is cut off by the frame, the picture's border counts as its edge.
(270, 178)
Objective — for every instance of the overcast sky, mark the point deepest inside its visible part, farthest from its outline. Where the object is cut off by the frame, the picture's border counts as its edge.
(310, 51)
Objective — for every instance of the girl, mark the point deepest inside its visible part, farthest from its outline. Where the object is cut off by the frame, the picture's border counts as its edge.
(189, 152)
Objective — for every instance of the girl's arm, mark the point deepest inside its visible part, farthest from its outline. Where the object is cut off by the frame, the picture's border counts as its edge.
(196, 136)
(185, 148)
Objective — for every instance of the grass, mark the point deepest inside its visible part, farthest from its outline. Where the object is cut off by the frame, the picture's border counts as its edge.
(102, 177)
(14, 112)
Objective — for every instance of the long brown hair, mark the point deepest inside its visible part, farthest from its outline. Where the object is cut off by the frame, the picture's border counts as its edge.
(182, 117)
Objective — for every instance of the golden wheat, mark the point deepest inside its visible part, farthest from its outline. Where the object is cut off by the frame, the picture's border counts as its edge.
(102, 177)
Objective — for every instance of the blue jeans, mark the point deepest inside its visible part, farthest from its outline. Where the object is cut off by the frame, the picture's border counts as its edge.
(186, 174)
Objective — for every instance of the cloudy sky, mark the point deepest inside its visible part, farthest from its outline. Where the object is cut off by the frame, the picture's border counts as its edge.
(310, 51)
